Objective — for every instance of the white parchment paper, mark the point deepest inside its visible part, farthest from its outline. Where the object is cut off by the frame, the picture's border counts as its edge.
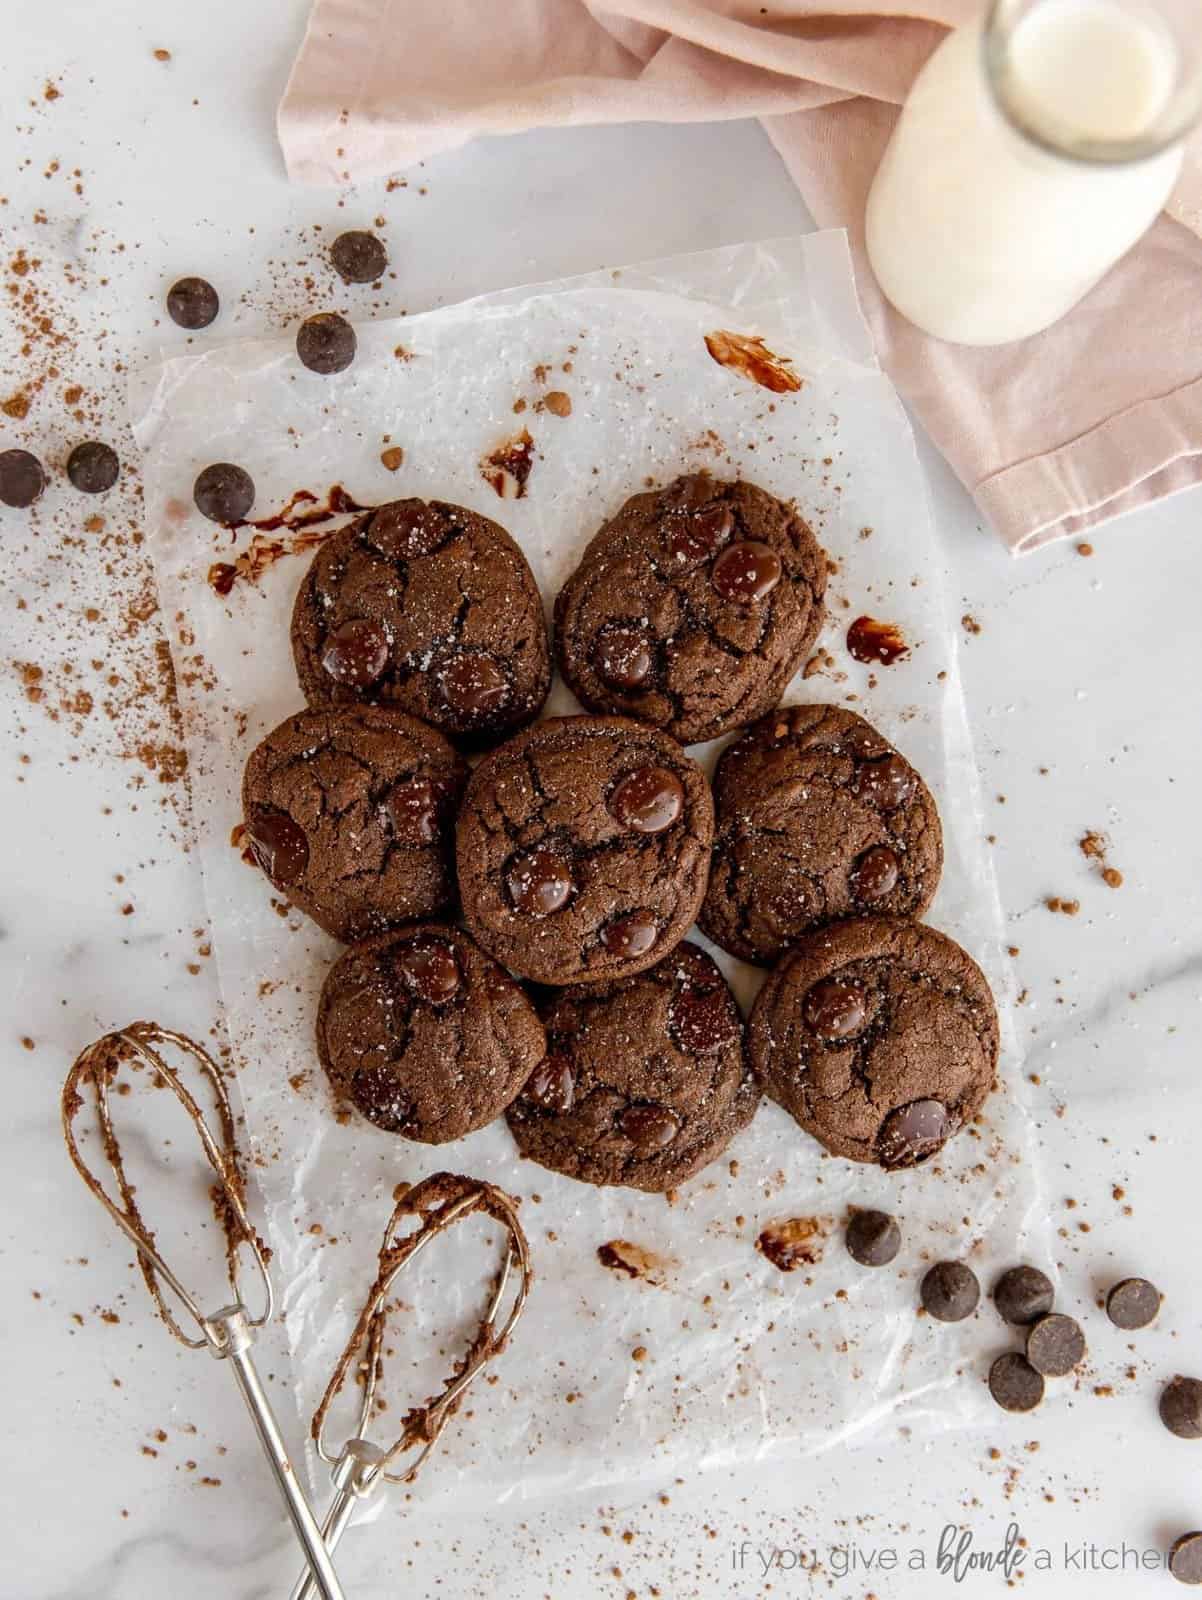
(741, 1361)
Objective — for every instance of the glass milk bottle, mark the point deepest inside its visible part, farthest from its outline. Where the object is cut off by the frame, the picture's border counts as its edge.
(1034, 150)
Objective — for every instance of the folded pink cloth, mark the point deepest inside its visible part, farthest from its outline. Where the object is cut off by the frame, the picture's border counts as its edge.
(1051, 436)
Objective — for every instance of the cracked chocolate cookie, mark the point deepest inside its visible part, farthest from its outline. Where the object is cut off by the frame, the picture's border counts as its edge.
(424, 1034)
(880, 1037)
(692, 608)
(583, 847)
(351, 814)
(645, 1080)
(817, 818)
(428, 607)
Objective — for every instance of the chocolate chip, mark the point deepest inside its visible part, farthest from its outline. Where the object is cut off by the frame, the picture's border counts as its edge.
(702, 534)
(1022, 1295)
(950, 1291)
(192, 303)
(406, 529)
(1185, 1558)
(93, 467)
(649, 1127)
(539, 882)
(412, 809)
(1181, 1407)
(356, 653)
(873, 1238)
(1133, 1303)
(430, 969)
(224, 493)
(630, 936)
(746, 572)
(473, 684)
(835, 1008)
(358, 257)
(885, 784)
(279, 846)
(623, 656)
(913, 1133)
(1014, 1383)
(326, 343)
(874, 874)
(702, 1020)
(378, 1096)
(552, 1086)
(22, 478)
(649, 800)
(1055, 1345)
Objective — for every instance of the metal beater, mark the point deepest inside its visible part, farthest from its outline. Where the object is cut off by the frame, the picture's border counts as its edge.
(360, 1467)
(228, 1333)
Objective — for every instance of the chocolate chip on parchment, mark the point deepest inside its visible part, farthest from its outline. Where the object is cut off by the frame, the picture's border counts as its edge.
(358, 257)
(1014, 1383)
(1055, 1345)
(224, 493)
(1022, 1295)
(93, 467)
(1185, 1558)
(1133, 1303)
(1181, 1407)
(873, 1238)
(950, 1291)
(22, 478)
(326, 343)
(192, 303)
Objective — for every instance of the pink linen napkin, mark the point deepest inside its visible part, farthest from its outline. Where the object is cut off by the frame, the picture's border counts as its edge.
(1051, 436)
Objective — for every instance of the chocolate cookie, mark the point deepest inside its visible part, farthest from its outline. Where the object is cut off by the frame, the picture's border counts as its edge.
(645, 1080)
(880, 1037)
(351, 814)
(428, 607)
(582, 847)
(818, 818)
(692, 608)
(424, 1034)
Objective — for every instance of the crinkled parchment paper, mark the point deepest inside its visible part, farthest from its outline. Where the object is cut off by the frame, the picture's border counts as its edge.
(741, 1360)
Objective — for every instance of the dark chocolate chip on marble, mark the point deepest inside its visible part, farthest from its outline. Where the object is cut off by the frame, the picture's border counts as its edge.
(1185, 1558)
(1014, 1383)
(93, 467)
(873, 1238)
(1022, 1295)
(950, 1291)
(1055, 1345)
(1181, 1407)
(358, 257)
(326, 343)
(192, 303)
(224, 493)
(1133, 1303)
(22, 478)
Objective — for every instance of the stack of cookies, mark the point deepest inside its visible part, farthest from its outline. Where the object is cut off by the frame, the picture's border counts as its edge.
(517, 932)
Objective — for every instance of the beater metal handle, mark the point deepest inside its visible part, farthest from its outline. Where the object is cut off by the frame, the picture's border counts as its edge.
(229, 1333)
(361, 1467)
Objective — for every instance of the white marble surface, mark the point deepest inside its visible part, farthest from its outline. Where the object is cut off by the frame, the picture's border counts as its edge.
(1083, 686)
